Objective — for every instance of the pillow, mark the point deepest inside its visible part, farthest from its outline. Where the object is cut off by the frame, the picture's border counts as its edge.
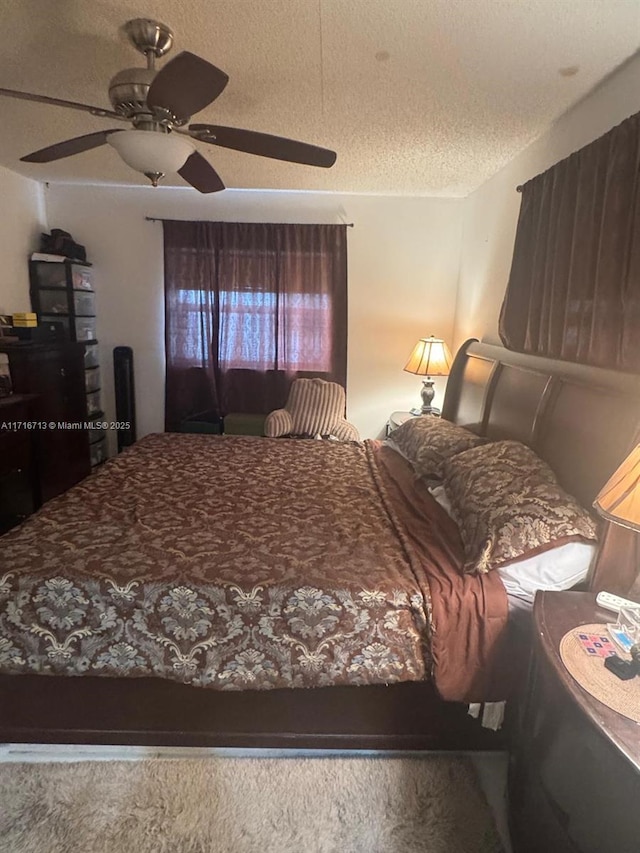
(508, 505)
(426, 441)
(557, 569)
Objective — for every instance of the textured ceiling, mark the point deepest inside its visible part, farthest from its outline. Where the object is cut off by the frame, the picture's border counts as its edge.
(421, 97)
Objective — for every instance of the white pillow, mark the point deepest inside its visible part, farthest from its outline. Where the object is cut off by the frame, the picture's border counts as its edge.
(557, 569)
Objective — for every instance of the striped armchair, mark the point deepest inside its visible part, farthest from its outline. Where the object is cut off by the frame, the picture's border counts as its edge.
(314, 407)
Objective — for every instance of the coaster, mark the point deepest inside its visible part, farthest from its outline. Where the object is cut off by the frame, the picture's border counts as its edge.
(588, 669)
(596, 645)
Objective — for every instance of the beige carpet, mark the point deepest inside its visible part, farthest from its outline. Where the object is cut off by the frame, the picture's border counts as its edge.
(246, 805)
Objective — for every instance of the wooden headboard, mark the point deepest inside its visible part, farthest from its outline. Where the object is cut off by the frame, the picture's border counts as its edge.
(581, 420)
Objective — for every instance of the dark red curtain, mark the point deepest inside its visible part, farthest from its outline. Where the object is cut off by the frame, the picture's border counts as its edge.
(574, 288)
(248, 308)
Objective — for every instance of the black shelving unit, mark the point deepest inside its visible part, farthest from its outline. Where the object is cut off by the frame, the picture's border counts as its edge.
(62, 294)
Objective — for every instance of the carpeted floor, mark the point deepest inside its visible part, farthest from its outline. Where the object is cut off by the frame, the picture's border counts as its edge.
(431, 804)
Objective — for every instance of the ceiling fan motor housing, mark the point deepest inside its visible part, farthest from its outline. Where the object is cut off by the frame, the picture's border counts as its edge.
(128, 90)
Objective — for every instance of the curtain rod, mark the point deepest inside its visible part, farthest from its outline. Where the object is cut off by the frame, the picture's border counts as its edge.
(519, 188)
(160, 219)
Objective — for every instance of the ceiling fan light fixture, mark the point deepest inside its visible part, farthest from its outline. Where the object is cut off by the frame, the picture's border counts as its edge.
(151, 152)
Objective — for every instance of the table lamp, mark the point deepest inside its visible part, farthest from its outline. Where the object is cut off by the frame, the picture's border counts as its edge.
(430, 357)
(619, 499)
(619, 502)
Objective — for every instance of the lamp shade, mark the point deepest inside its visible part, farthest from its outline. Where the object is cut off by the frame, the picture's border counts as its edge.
(619, 499)
(151, 152)
(430, 357)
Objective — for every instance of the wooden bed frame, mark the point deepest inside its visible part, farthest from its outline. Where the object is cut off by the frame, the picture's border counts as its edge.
(581, 420)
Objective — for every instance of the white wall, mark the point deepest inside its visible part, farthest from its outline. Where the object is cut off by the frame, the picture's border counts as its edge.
(491, 212)
(403, 272)
(22, 221)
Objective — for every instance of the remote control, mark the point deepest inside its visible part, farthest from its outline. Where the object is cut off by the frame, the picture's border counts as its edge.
(615, 603)
(624, 669)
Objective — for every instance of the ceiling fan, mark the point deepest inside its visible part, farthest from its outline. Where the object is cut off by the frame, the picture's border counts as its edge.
(159, 104)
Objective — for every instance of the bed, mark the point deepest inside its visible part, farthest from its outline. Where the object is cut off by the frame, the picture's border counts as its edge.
(333, 615)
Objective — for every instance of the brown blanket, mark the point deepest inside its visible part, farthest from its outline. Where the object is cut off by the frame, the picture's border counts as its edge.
(469, 613)
(245, 563)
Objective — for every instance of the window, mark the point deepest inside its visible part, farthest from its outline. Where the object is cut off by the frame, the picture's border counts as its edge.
(248, 307)
(253, 333)
(573, 290)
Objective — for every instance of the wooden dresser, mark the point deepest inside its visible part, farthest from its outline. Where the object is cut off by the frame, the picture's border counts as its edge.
(17, 472)
(54, 372)
(574, 783)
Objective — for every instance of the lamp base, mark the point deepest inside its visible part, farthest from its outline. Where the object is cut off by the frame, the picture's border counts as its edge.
(430, 410)
(427, 393)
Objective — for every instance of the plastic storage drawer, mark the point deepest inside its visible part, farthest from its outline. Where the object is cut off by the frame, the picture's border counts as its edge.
(81, 277)
(57, 325)
(93, 404)
(96, 433)
(85, 328)
(98, 452)
(51, 274)
(92, 379)
(84, 303)
(53, 302)
(91, 355)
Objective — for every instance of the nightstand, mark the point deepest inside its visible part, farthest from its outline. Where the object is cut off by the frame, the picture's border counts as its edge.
(396, 419)
(574, 779)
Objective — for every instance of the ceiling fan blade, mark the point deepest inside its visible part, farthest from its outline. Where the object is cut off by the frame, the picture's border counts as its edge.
(186, 85)
(263, 144)
(199, 172)
(69, 147)
(57, 102)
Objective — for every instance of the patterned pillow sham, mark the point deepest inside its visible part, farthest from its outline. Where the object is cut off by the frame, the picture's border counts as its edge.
(509, 505)
(426, 441)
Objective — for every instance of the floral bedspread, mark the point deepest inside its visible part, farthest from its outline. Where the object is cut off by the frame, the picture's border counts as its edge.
(220, 561)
